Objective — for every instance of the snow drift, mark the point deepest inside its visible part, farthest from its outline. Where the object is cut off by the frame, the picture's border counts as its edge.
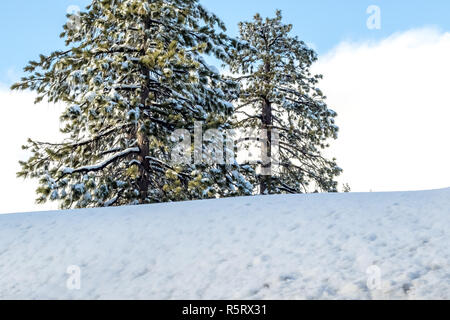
(274, 247)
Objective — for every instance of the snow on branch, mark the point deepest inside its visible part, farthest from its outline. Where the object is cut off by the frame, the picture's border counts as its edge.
(101, 165)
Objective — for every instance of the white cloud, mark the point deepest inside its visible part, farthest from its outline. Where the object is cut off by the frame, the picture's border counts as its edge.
(393, 100)
(20, 119)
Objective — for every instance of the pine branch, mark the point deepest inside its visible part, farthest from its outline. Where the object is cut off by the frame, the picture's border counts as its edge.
(99, 166)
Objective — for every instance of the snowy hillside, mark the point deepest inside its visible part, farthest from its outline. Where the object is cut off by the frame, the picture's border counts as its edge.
(275, 247)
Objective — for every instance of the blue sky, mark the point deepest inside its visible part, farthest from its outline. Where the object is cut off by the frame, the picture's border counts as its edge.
(32, 27)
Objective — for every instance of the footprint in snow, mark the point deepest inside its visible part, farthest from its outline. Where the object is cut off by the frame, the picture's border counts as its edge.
(288, 277)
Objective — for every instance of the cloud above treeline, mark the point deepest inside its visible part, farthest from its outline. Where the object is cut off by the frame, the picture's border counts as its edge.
(393, 100)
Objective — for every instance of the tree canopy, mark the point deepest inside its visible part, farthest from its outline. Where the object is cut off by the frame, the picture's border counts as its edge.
(280, 98)
(134, 73)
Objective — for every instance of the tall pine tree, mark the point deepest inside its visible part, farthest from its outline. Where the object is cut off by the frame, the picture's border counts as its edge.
(133, 73)
(280, 99)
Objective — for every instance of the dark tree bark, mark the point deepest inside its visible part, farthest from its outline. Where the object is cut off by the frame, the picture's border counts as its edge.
(266, 141)
(142, 137)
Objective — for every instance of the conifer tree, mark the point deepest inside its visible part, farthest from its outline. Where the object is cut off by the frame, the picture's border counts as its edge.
(133, 73)
(279, 98)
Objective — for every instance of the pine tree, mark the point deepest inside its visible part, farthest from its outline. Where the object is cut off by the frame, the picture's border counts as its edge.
(133, 73)
(280, 99)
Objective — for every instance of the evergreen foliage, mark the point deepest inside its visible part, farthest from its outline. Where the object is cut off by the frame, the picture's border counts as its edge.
(133, 74)
(279, 95)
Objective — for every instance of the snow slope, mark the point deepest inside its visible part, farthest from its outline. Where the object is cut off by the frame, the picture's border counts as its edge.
(274, 247)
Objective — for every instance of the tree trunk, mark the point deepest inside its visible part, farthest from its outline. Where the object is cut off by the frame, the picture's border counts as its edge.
(266, 148)
(266, 139)
(143, 141)
(143, 180)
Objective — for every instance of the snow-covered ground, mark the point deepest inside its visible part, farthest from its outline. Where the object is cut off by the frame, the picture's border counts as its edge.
(328, 246)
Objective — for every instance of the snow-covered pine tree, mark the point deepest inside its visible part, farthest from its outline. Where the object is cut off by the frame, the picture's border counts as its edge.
(279, 93)
(132, 74)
